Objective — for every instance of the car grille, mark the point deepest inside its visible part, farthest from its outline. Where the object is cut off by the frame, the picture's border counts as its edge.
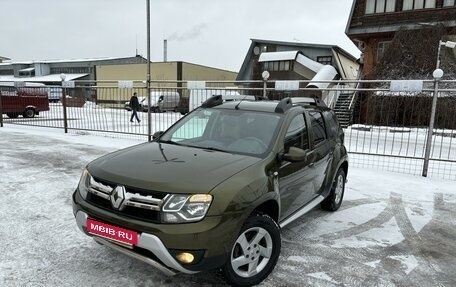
(138, 203)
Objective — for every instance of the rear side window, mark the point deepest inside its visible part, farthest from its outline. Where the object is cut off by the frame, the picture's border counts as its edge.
(318, 127)
(332, 124)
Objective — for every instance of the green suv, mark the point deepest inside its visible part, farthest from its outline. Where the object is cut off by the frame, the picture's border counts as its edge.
(214, 189)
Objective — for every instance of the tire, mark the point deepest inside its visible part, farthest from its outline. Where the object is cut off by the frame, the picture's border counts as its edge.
(257, 246)
(12, 115)
(336, 195)
(29, 113)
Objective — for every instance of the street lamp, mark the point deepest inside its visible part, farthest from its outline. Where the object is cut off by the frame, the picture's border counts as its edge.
(265, 75)
(149, 116)
(437, 75)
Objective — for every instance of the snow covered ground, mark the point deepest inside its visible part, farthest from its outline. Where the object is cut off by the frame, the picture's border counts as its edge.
(392, 229)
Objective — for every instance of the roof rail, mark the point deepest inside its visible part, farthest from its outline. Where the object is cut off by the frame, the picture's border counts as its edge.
(212, 101)
(308, 101)
(283, 106)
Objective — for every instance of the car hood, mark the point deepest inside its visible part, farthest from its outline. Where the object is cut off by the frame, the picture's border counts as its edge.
(169, 168)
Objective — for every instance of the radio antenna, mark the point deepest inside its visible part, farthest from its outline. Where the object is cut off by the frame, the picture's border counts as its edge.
(237, 106)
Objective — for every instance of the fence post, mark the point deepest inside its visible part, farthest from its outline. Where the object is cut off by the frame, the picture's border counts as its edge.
(1, 111)
(431, 124)
(64, 104)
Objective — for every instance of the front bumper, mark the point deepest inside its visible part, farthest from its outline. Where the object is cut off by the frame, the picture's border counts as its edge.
(210, 240)
(152, 243)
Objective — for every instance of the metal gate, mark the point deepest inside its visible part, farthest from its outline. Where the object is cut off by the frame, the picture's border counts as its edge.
(383, 129)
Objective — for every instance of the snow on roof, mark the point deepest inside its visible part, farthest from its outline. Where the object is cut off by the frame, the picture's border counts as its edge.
(47, 78)
(326, 73)
(309, 63)
(278, 56)
(68, 60)
(27, 70)
(27, 84)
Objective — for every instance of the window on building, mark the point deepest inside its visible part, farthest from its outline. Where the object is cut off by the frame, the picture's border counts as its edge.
(70, 70)
(381, 49)
(325, 60)
(448, 3)
(380, 6)
(276, 66)
(418, 4)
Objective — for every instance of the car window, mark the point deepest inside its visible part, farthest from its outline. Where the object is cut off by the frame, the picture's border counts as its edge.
(318, 127)
(332, 123)
(193, 128)
(296, 134)
(234, 131)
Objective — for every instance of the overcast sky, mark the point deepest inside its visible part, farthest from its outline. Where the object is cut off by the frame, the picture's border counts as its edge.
(215, 33)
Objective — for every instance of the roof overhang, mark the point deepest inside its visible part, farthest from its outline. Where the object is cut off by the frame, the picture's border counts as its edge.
(362, 30)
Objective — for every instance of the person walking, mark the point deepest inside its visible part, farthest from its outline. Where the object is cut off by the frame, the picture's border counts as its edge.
(134, 105)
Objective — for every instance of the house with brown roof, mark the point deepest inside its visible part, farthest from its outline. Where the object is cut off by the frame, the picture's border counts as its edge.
(373, 24)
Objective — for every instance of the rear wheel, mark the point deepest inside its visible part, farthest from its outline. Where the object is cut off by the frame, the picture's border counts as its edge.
(255, 252)
(29, 113)
(334, 199)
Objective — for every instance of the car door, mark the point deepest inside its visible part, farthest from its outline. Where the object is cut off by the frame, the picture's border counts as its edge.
(321, 149)
(296, 178)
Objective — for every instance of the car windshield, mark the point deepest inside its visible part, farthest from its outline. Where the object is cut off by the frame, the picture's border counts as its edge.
(234, 131)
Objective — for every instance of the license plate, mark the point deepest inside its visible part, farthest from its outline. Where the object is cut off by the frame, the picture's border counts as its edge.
(112, 232)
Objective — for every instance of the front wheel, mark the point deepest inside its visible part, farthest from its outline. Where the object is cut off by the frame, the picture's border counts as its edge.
(334, 199)
(255, 252)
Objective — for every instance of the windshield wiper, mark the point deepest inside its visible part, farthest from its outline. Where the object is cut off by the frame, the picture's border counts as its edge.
(169, 142)
(213, 148)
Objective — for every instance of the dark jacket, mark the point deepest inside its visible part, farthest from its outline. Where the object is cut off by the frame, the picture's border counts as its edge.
(134, 103)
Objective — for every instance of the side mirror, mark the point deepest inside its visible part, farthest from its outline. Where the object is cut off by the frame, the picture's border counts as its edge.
(156, 135)
(295, 154)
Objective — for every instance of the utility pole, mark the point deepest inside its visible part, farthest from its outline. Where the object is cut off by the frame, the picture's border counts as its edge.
(149, 115)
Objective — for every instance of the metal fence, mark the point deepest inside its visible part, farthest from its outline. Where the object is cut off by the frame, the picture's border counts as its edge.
(384, 130)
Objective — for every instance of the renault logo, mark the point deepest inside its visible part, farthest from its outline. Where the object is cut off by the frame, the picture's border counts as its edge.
(118, 196)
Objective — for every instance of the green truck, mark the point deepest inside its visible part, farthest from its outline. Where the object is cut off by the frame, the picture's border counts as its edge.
(214, 190)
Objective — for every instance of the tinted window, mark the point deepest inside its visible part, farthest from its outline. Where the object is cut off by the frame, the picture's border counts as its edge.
(332, 124)
(318, 127)
(297, 134)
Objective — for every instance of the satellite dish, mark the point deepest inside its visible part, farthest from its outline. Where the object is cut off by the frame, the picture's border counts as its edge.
(256, 50)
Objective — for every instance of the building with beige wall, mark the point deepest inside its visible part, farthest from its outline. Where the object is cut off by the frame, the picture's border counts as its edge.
(174, 73)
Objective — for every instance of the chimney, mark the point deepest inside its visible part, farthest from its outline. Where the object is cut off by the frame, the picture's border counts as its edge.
(165, 50)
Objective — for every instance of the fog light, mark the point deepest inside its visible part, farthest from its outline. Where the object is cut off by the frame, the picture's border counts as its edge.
(185, 257)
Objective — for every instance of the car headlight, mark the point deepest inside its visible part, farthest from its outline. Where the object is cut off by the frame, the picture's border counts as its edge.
(179, 208)
(84, 183)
